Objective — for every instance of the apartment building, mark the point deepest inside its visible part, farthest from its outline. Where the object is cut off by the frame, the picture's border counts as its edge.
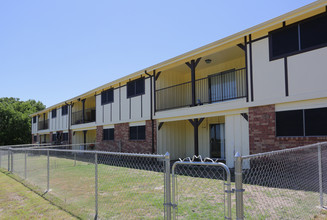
(258, 90)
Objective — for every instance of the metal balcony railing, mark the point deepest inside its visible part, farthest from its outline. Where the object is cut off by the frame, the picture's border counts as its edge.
(42, 125)
(78, 118)
(213, 88)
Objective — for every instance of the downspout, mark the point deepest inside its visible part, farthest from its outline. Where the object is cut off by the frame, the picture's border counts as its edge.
(151, 110)
(69, 122)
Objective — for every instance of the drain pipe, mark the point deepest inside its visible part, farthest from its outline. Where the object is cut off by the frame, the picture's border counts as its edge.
(151, 109)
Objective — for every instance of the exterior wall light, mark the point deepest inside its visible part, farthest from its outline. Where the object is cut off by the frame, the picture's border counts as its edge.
(208, 61)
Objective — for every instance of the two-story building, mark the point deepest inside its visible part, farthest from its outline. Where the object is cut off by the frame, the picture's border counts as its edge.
(258, 90)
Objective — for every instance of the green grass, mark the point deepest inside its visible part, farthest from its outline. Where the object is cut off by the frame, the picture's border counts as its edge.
(20, 202)
(125, 193)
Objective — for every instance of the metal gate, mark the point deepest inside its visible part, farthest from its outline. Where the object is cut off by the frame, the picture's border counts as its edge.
(201, 189)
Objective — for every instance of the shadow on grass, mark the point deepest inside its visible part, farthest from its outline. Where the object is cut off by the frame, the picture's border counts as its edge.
(51, 199)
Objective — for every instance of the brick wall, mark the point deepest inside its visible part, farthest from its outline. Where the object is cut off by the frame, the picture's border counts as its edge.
(122, 142)
(262, 132)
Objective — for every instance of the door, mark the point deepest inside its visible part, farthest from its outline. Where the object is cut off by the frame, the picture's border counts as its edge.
(217, 141)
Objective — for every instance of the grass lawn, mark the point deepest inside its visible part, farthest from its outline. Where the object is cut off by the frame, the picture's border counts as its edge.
(19, 202)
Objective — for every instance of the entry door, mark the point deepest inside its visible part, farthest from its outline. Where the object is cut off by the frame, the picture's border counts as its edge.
(217, 141)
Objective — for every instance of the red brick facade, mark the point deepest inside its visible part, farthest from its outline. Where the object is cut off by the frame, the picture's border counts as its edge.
(262, 132)
(122, 143)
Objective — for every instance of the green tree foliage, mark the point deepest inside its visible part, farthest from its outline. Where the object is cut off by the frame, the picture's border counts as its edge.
(15, 123)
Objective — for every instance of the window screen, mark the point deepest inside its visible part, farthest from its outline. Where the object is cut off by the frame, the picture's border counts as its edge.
(289, 123)
(34, 119)
(108, 134)
(64, 110)
(54, 113)
(65, 136)
(313, 32)
(316, 122)
(135, 87)
(309, 33)
(284, 41)
(137, 133)
(107, 96)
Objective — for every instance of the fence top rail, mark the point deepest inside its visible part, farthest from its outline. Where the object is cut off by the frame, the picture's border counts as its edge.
(203, 162)
(23, 145)
(63, 145)
(158, 156)
(253, 156)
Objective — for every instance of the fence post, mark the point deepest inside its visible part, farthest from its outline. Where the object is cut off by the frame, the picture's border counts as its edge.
(25, 165)
(8, 152)
(96, 184)
(74, 159)
(48, 172)
(239, 187)
(167, 190)
(12, 161)
(320, 177)
(0, 158)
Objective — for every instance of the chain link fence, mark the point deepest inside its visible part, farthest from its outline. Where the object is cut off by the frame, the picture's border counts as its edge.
(94, 184)
(285, 184)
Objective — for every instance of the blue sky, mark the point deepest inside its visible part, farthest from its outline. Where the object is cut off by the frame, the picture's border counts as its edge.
(55, 50)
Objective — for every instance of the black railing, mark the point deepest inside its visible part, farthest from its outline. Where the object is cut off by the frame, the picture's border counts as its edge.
(78, 118)
(42, 125)
(214, 88)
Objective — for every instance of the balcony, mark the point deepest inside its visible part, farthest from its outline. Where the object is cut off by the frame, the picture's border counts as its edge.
(214, 88)
(43, 125)
(80, 118)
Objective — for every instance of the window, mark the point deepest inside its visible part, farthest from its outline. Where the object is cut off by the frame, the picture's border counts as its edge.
(34, 119)
(54, 113)
(108, 134)
(308, 122)
(284, 41)
(135, 87)
(315, 122)
(54, 137)
(107, 96)
(313, 32)
(289, 123)
(299, 37)
(64, 110)
(65, 137)
(35, 138)
(137, 133)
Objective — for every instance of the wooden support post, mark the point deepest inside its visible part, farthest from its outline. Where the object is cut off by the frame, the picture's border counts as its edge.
(192, 65)
(196, 123)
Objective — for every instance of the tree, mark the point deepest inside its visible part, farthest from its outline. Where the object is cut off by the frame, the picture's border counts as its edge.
(15, 122)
